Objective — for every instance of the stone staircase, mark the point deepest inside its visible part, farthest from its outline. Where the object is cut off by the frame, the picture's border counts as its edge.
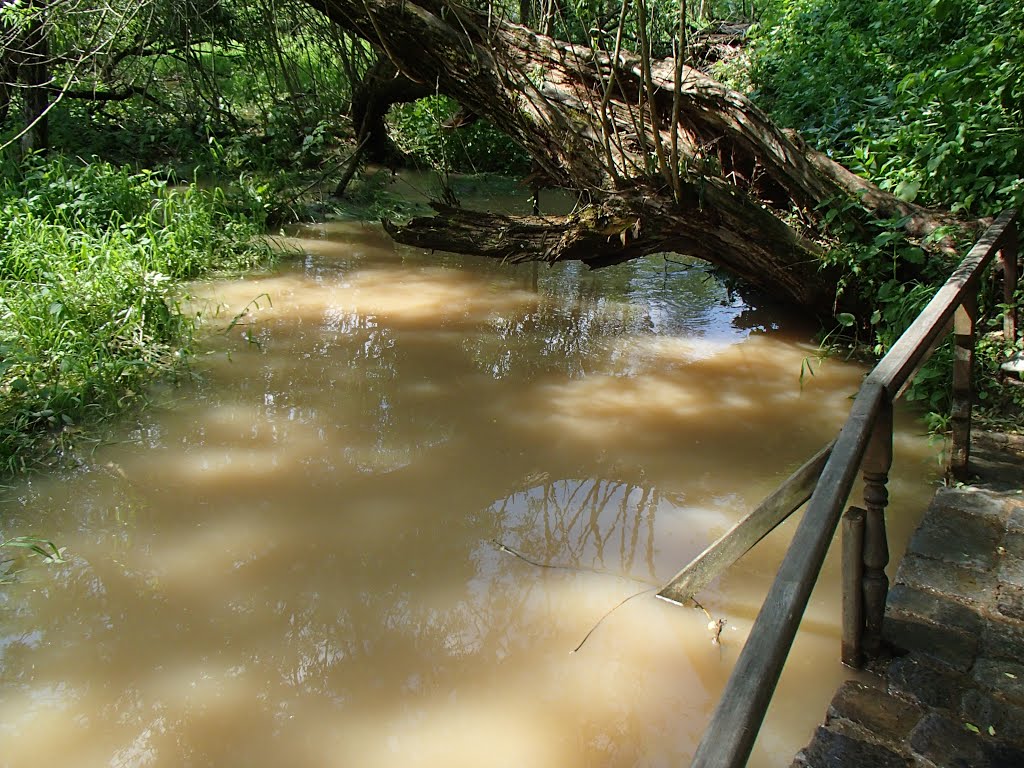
(953, 693)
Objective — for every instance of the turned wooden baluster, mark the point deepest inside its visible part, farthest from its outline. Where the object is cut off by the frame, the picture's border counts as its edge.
(853, 587)
(963, 364)
(1008, 260)
(876, 465)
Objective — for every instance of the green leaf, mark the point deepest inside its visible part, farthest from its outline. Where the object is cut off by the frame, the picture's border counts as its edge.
(907, 190)
(912, 255)
(846, 319)
(46, 549)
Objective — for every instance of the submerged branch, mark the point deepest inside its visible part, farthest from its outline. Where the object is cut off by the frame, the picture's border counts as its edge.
(714, 625)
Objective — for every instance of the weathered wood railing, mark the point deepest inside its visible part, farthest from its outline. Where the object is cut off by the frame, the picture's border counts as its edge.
(864, 443)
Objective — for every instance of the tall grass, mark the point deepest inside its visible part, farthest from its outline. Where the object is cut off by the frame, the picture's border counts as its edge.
(90, 259)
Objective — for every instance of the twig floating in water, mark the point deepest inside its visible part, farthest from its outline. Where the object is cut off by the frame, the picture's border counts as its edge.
(715, 626)
(507, 549)
(607, 614)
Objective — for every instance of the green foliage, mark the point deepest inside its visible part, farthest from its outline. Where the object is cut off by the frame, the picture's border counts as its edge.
(878, 272)
(269, 84)
(897, 278)
(418, 131)
(925, 97)
(89, 308)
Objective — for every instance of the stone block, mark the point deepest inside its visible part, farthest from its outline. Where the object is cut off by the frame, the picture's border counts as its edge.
(958, 537)
(964, 584)
(888, 717)
(1005, 720)
(970, 500)
(1011, 571)
(1002, 639)
(919, 621)
(905, 600)
(951, 646)
(932, 685)
(829, 749)
(948, 742)
(1001, 676)
(1014, 540)
(1015, 519)
(1006, 756)
(1013, 544)
(1010, 601)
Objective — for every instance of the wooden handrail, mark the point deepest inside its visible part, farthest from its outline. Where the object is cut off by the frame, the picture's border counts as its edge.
(910, 351)
(866, 438)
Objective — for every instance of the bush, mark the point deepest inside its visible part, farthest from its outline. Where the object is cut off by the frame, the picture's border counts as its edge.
(925, 97)
(477, 148)
(89, 307)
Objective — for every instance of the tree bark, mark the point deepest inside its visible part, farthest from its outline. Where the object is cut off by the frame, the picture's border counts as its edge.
(24, 64)
(698, 170)
(382, 86)
(35, 73)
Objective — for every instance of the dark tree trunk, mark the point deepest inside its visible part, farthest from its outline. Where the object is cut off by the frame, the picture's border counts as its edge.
(25, 66)
(382, 86)
(7, 75)
(670, 159)
(34, 72)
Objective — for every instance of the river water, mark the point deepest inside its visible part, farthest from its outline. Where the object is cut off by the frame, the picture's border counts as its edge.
(296, 558)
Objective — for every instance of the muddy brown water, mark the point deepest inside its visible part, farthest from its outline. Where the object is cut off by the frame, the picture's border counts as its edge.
(294, 559)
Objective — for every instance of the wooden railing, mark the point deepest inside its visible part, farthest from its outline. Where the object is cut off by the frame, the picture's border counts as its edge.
(865, 444)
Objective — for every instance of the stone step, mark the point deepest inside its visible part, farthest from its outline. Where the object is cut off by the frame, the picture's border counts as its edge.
(954, 693)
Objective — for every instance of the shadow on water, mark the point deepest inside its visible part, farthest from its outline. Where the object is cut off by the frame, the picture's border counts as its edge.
(293, 561)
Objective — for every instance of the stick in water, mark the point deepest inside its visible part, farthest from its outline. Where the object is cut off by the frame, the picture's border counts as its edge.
(715, 626)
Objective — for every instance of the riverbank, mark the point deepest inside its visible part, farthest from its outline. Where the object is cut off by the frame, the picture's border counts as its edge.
(90, 294)
(953, 695)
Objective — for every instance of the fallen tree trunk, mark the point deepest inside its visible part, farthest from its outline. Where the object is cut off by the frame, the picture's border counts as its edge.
(667, 158)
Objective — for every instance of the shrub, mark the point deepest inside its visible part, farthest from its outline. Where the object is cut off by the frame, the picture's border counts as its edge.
(89, 308)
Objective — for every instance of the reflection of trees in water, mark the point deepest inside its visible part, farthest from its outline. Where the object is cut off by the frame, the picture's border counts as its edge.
(364, 376)
(373, 633)
(591, 524)
(389, 382)
(579, 314)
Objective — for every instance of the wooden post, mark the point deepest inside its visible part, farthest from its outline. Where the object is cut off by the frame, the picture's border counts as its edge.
(963, 365)
(853, 586)
(730, 735)
(1008, 260)
(876, 465)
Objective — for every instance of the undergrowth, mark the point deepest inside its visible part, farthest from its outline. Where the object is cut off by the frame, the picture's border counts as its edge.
(926, 99)
(90, 259)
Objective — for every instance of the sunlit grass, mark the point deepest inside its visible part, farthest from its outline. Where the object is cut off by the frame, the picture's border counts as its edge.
(90, 256)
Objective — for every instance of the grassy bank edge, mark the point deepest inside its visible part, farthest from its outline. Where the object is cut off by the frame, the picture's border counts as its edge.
(92, 263)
